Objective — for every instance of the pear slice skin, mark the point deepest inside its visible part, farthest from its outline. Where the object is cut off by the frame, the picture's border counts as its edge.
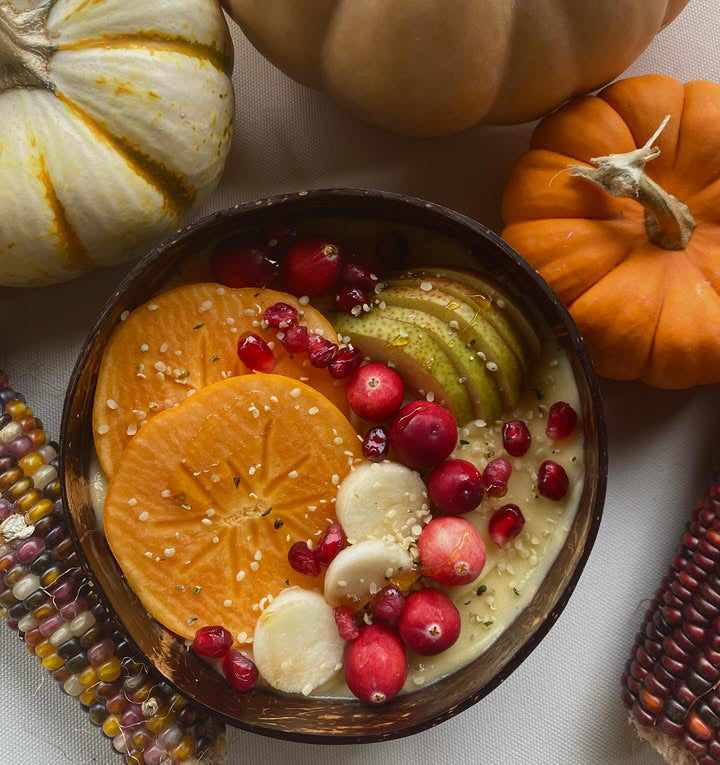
(481, 287)
(472, 328)
(479, 382)
(421, 361)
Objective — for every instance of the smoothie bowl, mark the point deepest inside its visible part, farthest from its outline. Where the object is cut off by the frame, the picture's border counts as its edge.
(336, 460)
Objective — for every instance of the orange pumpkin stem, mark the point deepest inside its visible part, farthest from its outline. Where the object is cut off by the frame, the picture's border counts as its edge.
(25, 47)
(668, 221)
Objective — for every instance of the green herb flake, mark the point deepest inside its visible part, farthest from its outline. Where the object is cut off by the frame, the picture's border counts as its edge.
(197, 589)
(214, 358)
(488, 623)
(236, 480)
(198, 326)
(463, 442)
(266, 512)
(191, 620)
(278, 523)
(516, 592)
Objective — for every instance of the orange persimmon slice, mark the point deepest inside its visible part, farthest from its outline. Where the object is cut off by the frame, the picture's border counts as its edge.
(180, 342)
(210, 495)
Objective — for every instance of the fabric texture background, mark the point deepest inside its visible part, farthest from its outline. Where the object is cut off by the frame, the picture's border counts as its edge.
(562, 706)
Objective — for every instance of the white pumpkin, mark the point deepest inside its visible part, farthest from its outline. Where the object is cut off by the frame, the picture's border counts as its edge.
(115, 116)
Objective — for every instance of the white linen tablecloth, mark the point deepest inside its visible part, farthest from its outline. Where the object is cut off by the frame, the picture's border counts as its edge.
(562, 706)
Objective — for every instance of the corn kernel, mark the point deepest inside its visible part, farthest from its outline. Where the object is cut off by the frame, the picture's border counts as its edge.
(110, 670)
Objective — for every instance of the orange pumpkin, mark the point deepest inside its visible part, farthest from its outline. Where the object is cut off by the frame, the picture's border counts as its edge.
(618, 208)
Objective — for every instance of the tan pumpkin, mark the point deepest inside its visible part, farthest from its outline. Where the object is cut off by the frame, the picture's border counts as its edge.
(434, 67)
(115, 116)
(617, 204)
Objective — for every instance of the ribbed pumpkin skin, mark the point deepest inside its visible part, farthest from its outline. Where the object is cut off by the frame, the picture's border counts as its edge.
(434, 67)
(646, 313)
(133, 125)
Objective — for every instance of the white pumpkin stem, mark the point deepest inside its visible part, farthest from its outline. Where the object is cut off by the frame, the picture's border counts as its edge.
(668, 221)
(25, 46)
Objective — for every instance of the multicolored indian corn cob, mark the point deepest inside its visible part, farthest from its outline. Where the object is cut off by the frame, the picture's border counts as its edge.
(672, 680)
(46, 599)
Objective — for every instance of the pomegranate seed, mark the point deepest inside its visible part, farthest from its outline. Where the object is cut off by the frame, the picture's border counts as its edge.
(356, 275)
(552, 480)
(375, 664)
(345, 363)
(243, 264)
(430, 622)
(376, 444)
(516, 438)
(423, 434)
(561, 422)
(212, 642)
(505, 524)
(350, 298)
(375, 392)
(331, 542)
(280, 315)
(320, 351)
(388, 604)
(239, 671)
(296, 339)
(312, 266)
(255, 353)
(302, 560)
(496, 476)
(451, 551)
(346, 625)
(456, 487)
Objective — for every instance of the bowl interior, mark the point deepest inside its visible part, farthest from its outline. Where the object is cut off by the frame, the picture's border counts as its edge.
(309, 719)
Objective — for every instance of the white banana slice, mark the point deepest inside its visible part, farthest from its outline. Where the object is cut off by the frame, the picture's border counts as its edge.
(382, 500)
(362, 569)
(296, 643)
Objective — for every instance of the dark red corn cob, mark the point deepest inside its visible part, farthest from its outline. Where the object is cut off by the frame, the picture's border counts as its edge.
(671, 680)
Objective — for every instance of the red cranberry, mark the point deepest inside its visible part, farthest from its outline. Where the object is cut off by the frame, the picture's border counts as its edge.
(561, 422)
(312, 266)
(456, 487)
(280, 315)
(331, 542)
(239, 671)
(423, 434)
(376, 664)
(302, 560)
(552, 480)
(320, 351)
(451, 551)
(496, 476)
(346, 625)
(345, 363)
(243, 264)
(212, 642)
(296, 339)
(388, 604)
(349, 298)
(356, 275)
(256, 354)
(516, 437)
(430, 622)
(376, 444)
(375, 392)
(505, 524)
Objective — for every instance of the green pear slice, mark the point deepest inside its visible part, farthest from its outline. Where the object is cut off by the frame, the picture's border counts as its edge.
(473, 328)
(420, 360)
(482, 305)
(479, 382)
(507, 306)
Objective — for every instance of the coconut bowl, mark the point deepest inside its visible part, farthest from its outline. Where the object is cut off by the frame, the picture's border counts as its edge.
(309, 719)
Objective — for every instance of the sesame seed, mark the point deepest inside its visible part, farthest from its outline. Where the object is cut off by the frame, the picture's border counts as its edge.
(103, 429)
(132, 502)
(153, 306)
(453, 324)
(254, 566)
(426, 286)
(131, 430)
(295, 392)
(430, 396)
(111, 403)
(239, 576)
(293, 474)
(147, 554)
(124, 315)
(227, 603)
(220, 291)
(169, 552)
(242, 637)
(258, 555)
(251, 470)
(210, 512)
(165, 493)
(335, 479)
(143, 516)
(206, 305)
(313, 410)
(215, 540)
(304, 300)
(337, 440)
(206, 521)
(144, 347)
